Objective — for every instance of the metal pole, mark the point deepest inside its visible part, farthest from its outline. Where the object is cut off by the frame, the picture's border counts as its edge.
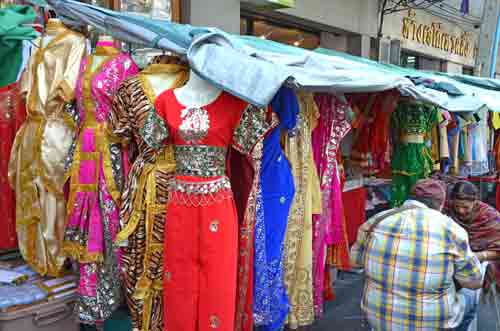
(495, 50)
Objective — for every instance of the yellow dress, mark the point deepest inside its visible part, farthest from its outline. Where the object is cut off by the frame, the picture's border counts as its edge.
(37, 162)
(307, 201)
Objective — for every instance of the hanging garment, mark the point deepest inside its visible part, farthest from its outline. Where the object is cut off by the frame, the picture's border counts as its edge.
(134, 120)
(306, 202)
(12, 115)
(354, 208)
(12, 33)
(96, 180)
(454, 130)
(327, 227)
(201, 235)
(244, 184)
(412, 159)
(371, 149)
(37, 163)
(478, 135)
(277, 190)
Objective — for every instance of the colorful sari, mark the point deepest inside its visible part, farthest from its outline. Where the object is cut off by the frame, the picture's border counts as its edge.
(328, 228)
(484, 234)
(96, 180)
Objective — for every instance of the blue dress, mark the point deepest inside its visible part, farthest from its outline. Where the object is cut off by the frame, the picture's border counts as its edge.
(273, 206)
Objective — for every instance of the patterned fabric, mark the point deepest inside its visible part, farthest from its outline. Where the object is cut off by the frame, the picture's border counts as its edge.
(484, 235)
(411, 260)
(134, 121)
(96, 180)
(412, 159)
(306, 202)
(276, 195)
(328, 228)
(12, 115)
(36, 167)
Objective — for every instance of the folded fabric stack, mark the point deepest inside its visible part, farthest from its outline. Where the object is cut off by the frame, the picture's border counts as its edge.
(20, 285)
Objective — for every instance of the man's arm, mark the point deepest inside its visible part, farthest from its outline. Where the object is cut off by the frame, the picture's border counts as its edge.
(467, 265)
(358, 250)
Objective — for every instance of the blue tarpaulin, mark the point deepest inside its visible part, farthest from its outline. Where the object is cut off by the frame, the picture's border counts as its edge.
(254, 69)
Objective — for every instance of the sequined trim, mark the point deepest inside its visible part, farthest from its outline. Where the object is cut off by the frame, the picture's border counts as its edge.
(252, 128)
(208, 187)
(200, 161)
(154, 132)
(200, 194)
(115, 154)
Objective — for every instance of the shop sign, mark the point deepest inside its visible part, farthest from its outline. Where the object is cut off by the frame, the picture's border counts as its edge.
(433, 36)
(274, 4)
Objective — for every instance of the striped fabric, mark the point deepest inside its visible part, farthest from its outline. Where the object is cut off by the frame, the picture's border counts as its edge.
(410, 262)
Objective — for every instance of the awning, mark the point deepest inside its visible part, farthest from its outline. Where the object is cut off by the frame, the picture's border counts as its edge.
(254, 69)
(250, 68)
(448, 93)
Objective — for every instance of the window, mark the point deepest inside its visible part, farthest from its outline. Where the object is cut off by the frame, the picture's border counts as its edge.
(419, 62)
(158, 9)
(409, 61)
(282, 34)
(468, 71)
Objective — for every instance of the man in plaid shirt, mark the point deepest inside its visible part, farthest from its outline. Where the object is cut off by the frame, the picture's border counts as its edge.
(415, 258)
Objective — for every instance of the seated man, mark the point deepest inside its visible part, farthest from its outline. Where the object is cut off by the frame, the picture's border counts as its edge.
(482, 223)
(414, 257)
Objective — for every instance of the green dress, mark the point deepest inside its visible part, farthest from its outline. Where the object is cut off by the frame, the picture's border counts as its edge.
(412, 158)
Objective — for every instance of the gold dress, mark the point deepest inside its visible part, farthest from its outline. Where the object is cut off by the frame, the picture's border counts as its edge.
(307, 201)
(37, 162)
(143, 208)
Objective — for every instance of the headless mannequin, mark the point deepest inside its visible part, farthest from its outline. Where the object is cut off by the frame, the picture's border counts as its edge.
(197, 92)
(99, 59)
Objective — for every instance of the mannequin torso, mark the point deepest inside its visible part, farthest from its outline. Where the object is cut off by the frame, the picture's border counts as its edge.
(197, 92)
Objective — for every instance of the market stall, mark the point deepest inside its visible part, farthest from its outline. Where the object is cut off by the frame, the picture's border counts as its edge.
(166, 158)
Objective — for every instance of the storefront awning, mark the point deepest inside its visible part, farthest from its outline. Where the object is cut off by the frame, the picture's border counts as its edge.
(449, 93)
(252, 69)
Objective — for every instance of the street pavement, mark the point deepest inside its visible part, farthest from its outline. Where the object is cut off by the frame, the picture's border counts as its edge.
(344, 313)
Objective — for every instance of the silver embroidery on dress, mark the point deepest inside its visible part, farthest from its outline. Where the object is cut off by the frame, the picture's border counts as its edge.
(116, 164)
(195, 124)
(200, 161)
(154, 131)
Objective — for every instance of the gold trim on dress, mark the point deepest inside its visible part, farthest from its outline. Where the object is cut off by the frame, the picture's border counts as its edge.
(413, 139)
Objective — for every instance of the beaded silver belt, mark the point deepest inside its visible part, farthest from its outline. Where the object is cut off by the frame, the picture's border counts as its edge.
(206, 187)
(199, 194)
(200, 161)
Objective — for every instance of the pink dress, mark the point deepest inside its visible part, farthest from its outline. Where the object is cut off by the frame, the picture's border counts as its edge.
(97, 176)
(327, 227)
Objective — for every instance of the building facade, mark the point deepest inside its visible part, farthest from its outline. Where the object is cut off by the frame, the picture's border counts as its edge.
(439, 38)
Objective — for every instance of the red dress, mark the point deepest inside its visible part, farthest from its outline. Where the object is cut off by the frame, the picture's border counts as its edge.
(201, 236)
(12, 115)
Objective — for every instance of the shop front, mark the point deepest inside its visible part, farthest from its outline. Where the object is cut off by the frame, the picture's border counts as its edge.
(428, 42)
